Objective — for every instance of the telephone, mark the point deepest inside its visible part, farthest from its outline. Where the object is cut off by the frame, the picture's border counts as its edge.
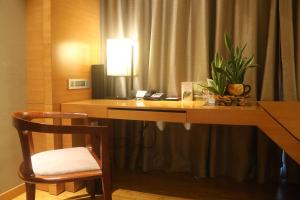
(157, 96)
(150, 95)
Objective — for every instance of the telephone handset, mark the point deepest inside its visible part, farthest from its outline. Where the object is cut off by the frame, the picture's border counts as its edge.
(149, 93)
(158, 96)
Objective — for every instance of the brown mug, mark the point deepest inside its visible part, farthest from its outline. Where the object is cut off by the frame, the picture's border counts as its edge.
(238, 89)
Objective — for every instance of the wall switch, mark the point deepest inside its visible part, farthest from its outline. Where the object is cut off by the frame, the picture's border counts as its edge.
(78, 84)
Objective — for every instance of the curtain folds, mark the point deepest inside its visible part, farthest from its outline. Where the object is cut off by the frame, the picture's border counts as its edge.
(177, 40)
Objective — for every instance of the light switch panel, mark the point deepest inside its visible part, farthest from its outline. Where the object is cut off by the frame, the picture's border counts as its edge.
(78, 84)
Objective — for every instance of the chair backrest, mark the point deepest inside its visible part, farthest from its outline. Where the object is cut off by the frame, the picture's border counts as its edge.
(25, 123)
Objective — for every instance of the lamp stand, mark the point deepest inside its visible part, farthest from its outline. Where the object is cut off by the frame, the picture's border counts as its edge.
(131, 95)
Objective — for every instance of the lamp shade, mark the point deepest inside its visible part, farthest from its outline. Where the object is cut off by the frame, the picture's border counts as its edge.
(119, 57)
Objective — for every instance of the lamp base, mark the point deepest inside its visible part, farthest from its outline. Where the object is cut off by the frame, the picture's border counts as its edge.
(129, 96)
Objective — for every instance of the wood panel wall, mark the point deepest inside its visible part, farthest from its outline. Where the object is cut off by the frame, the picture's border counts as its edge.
(63, 41)
(39, 85)
(75, 36)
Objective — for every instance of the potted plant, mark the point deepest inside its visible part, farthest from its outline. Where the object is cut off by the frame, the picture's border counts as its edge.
(228, 75)
(236, 68)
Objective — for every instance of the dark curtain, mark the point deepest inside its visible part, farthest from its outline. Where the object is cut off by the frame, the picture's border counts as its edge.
(177, 40)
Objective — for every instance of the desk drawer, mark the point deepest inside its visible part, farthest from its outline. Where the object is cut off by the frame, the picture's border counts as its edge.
(147, 115)
(224, 116)
(98, 112)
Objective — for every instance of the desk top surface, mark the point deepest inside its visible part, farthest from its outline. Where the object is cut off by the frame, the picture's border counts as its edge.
(163, 105)
(285, 113)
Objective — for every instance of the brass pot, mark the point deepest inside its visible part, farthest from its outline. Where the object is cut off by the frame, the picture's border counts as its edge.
(238, 89)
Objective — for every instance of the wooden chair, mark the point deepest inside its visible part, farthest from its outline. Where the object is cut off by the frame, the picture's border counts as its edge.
(62, 165)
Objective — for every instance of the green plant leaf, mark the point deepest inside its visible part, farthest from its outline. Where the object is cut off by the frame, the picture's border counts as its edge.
(212, 89)
(244, 47)
(209, 82)
(222, 71)
(248, 61)
(228, 43)
(236, 65)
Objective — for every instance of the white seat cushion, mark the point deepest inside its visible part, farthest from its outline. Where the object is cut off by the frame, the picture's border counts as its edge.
(63, 161)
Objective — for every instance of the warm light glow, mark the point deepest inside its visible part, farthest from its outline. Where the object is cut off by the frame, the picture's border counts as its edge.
(119, 57)
(73, 54)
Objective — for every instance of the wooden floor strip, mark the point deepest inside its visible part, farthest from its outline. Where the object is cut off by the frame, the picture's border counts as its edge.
(169, 186)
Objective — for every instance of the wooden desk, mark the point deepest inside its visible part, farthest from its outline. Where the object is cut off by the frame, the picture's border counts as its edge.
(273, 118)
(287, 114)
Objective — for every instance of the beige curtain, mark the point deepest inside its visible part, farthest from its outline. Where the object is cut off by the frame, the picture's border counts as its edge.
(177, 40)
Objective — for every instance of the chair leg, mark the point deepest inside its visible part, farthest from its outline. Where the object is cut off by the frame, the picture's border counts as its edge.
(106, 186)
(91, 188)
(30, 191)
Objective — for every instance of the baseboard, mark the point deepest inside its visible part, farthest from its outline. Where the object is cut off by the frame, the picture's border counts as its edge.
(43, 187)
(12, 193)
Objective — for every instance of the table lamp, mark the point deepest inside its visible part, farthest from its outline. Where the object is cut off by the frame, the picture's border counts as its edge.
(119, 58)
